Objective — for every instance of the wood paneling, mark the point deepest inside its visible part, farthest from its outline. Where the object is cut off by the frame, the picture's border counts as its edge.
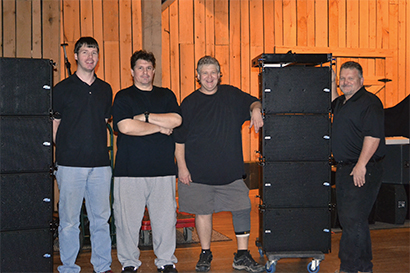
(126, 43)
(23, 24)
(30, 29)
(9, 27)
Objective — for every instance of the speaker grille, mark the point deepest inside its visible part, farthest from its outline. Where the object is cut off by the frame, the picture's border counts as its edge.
(27, 251)
(25, 144)
(296, 89)
(296, 230)
(296, 184)
(26, 201)
(25, 86)
(296, 138)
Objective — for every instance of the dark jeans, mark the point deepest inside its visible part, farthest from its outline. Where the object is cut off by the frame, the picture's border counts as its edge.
(354, 205)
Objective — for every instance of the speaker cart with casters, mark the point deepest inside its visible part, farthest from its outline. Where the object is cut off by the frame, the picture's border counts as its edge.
(295, 218)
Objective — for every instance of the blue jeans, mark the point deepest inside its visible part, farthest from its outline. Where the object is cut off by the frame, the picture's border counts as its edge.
(75, 185)
(354, 205)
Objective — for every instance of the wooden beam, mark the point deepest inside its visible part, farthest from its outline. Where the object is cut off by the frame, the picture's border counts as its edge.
(339, 52)
(152, 38)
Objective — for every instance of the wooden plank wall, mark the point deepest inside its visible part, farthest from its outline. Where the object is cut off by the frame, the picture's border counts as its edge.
(117, 27)
(30, 29)
(375, 33)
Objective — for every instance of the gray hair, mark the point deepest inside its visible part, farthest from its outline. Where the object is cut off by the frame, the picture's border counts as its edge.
(208, 60)
(353, 65)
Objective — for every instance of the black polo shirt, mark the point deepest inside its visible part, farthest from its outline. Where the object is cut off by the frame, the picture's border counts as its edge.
(81, 139)
(362, 115)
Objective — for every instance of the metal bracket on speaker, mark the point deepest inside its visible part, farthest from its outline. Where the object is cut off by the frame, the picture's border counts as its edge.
(261, 158)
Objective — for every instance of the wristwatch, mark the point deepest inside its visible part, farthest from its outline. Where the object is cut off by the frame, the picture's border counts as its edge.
(146, 114)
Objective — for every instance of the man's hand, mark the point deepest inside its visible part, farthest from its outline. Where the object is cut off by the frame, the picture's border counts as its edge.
(359, 174)
(256, 120)
(165, 131)
(370, 145)
(184, 176)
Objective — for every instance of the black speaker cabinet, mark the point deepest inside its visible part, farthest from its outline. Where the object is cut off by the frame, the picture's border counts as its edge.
(391, 204)
(296, 89)
(25, 144)
(396, 164)
(25, 86)
(27, 251)
(296, 229)
(26, 201)
(296, 138)
(296, 184)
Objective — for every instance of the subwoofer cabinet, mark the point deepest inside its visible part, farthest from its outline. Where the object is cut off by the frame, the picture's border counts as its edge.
(295, 216)
(392, 201)
(26, 185)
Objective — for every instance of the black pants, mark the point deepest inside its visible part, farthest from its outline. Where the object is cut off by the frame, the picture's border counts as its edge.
(354, 205)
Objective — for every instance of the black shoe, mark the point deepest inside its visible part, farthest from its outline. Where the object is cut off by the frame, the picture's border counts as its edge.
(246, 262)
(204, 263)
(129, 269)
(167, 268)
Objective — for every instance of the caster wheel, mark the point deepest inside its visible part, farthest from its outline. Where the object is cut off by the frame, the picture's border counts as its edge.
(310, 270)
(270, 267)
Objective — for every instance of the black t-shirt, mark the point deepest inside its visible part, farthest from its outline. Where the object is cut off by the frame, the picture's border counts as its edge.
(81, 139)
(211, 131)
(150, 155)
(362, 115)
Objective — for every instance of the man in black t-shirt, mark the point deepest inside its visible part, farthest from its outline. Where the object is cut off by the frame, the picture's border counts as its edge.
(144, 117)
(358, 146)
(210, 160)
(82, 107)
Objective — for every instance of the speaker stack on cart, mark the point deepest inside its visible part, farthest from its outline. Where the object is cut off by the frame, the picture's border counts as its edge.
(295, 143)
(26, 159)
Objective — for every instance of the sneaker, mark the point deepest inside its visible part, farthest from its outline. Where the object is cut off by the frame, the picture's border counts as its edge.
(204, 263)
(167, 268)
(129, 269)
(246, 262)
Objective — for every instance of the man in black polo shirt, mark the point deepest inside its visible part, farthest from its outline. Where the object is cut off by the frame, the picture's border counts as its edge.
(358, 146)
(82, 107)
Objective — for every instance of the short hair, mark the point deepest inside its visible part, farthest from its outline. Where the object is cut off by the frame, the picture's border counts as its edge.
(208, 60)
(143, 55)
(88, 42)
(353, 65)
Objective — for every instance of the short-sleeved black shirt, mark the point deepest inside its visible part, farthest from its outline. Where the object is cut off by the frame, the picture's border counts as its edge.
(362, 115)
(150, 155)
(81, 139)
(212, 133)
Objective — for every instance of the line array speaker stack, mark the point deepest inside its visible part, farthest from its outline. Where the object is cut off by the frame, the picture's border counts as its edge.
(295, 141)
(26, 160)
